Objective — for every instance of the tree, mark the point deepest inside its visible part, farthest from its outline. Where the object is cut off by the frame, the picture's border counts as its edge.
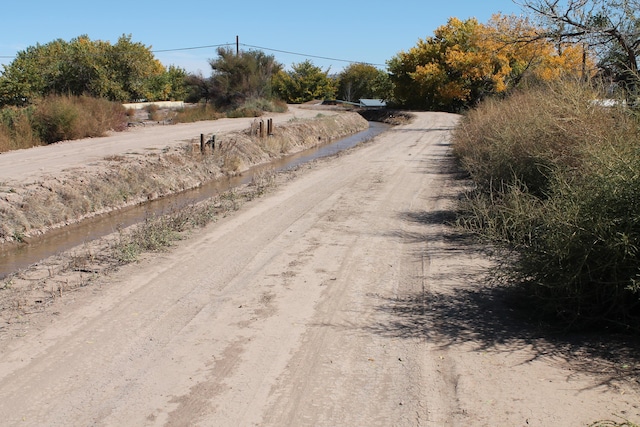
(133, 67)
(359, 81)
(125, 71)
(170, 85)
(198, 88)
(611, 28)
(465, 61)
(237, 78)
(31, 74)
(304, 82)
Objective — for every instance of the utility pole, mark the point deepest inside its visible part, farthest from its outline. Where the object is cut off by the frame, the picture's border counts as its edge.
(237, 46)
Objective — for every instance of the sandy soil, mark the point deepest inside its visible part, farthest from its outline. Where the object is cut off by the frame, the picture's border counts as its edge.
(339, 299)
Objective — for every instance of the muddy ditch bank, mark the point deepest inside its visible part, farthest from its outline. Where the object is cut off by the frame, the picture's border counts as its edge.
(52, 202)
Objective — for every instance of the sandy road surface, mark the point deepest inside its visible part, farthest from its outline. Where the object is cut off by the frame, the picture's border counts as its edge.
(16, 166)
(340, 299)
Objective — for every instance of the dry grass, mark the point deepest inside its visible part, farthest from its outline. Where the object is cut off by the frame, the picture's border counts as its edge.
(558, 185)
(197, 113)
(17, 130)
(522, 137)
(57, 118)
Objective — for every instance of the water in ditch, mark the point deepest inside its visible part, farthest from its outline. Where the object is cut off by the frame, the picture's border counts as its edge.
(14, 257)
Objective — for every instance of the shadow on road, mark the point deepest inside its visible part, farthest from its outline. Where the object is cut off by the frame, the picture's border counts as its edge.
(492, 317)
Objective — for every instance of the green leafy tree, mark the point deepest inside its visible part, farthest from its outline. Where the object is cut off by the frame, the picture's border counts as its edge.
(359, 81)
(237, 78)
(170, 85)
(125, 71)
(303, 83)
(133, 67)
(32, 74)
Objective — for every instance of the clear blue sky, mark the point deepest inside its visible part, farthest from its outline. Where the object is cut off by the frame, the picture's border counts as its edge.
(371, 31)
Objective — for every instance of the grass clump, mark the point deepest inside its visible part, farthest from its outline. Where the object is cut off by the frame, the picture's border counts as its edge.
(557, 184)
(17, 129)
(158, 233)
(197, 113)
(256, 107)
(154, 235)
(57, 118)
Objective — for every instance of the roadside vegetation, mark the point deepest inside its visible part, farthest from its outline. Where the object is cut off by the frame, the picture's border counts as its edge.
(56, 118)
(557, 186)
(555, 162)
(158, 233)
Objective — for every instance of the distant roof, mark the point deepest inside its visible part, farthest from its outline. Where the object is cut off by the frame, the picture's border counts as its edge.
(372, 103)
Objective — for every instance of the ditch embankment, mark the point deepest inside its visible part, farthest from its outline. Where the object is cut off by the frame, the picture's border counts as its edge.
(33, 203)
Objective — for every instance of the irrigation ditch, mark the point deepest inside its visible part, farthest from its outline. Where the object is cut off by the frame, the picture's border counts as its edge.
(242, 159)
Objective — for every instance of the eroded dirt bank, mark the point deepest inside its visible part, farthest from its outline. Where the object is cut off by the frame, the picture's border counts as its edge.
(32, 203)
(340, 298)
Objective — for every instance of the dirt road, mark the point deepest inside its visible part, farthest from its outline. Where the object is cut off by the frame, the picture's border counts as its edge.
(340, 299)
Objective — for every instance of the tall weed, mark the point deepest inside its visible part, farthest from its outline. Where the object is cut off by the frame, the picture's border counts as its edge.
(60, 118)
(16, 129)
(197, 113)
(558, 185)
(524, 137)
(57, 118)
(255, 107)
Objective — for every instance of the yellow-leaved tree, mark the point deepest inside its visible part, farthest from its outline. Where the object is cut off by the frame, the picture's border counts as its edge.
(466, 61)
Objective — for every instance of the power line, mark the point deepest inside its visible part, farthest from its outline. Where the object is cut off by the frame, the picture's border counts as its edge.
(270, 50)
(311, 56)
(192, 48)
(253, 47)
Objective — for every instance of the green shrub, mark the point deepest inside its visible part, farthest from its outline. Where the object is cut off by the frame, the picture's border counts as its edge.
(558, 186)
(585, 248)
